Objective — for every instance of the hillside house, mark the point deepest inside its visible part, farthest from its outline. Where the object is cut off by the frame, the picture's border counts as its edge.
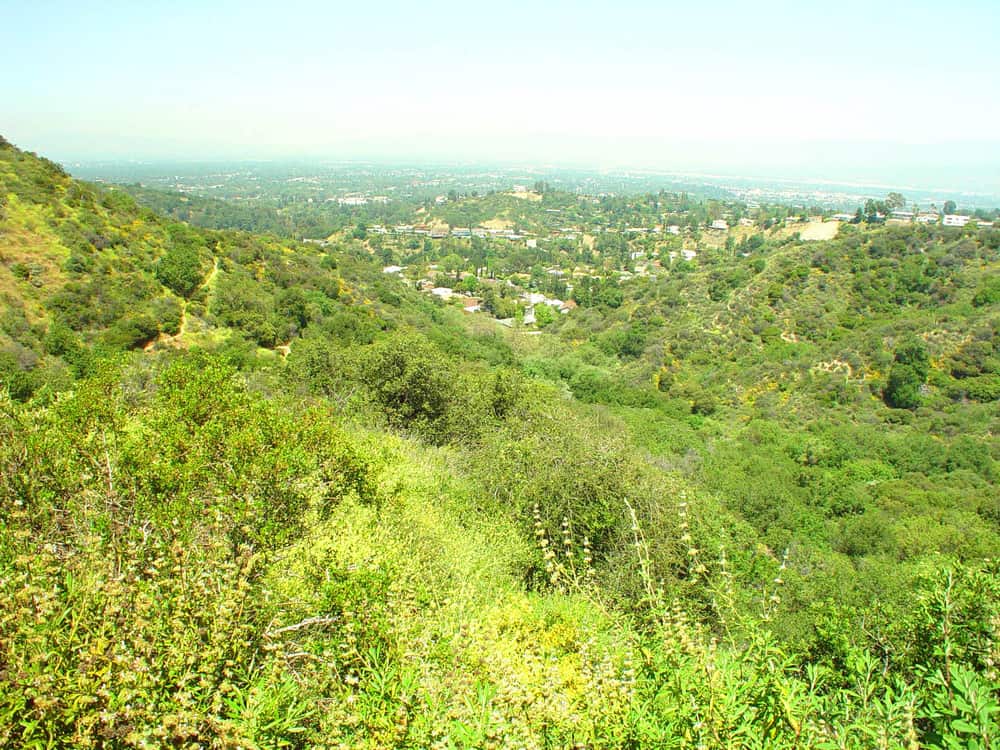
(955, 220)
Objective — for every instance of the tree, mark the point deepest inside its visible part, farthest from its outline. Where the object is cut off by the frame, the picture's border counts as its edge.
(453, 263)
(180, 269)
(950, 207)
(544, 315)
(909, 372)
(411, 381)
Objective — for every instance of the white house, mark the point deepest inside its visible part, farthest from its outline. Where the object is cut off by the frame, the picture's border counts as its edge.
(442, 291)
(720, 224)
(955, 220)
(392, 269)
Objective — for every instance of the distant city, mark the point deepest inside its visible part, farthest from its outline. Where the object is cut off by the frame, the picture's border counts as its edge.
(358, 183)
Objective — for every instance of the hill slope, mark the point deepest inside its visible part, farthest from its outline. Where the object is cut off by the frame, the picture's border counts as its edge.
(255, 494)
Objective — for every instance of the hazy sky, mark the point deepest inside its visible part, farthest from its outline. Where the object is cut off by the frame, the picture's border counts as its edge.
(733, 86)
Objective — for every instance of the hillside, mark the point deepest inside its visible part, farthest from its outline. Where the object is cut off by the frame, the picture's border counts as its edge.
(256, 492)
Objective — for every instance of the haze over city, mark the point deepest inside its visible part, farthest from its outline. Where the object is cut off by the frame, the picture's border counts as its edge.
(888, 93)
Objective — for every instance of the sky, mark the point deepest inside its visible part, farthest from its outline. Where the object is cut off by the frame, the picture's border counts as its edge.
(899, 92)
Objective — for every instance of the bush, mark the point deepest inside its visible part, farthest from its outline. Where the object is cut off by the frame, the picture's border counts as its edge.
(180, 270)
(569, 468)
(907, 375)
(412, 383)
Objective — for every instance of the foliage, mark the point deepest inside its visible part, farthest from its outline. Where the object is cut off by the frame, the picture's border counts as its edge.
(746, 499)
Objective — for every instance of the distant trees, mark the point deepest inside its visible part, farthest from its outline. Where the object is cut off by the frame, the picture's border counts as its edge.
(453, 264)
(950, 207)
(876, 210)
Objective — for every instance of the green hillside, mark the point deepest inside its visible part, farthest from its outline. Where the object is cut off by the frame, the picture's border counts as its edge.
(257, 493)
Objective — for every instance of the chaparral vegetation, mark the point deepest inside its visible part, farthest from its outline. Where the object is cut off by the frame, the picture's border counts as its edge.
(522, 469)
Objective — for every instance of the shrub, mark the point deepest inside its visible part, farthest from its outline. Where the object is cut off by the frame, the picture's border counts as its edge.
(412, 383)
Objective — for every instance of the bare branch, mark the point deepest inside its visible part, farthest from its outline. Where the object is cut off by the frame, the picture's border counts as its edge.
(299, 625)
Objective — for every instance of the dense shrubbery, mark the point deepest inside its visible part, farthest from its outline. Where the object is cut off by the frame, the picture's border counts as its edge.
(190, 563)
